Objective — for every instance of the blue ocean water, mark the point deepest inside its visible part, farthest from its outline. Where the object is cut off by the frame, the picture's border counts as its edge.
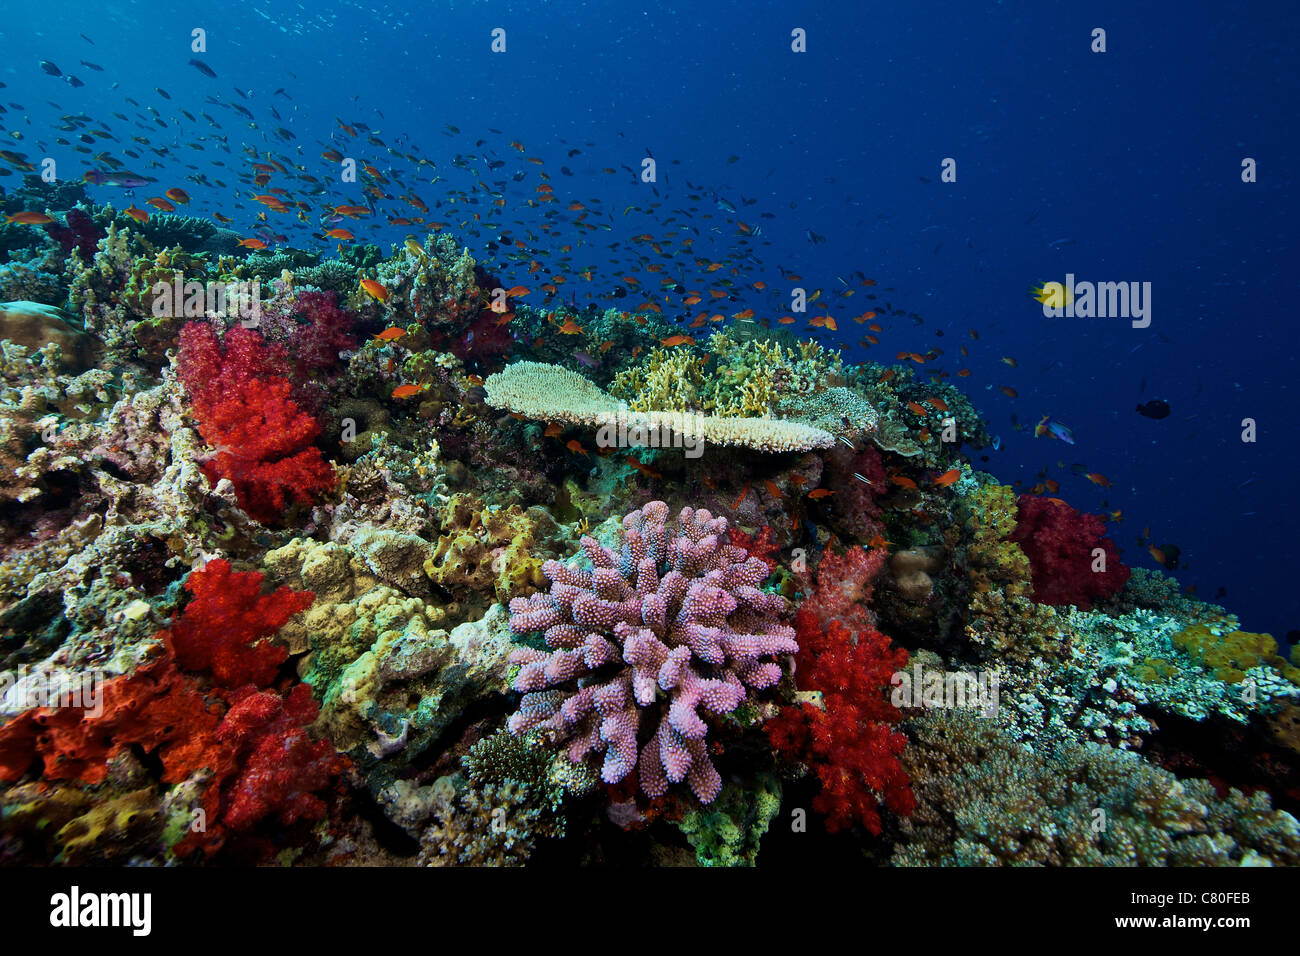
(1117, 166)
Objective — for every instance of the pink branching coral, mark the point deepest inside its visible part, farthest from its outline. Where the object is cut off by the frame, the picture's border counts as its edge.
(673, 613)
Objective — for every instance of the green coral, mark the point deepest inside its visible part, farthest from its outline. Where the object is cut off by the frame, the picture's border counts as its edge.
(728, 832)
(732, 378)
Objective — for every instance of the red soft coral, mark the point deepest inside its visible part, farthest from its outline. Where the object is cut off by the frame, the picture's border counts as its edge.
(281, 768)
(849, 742)
(760, 545)
(1059, 543)
(244, 408)
(221, 630)
(263, 764)
(844, 587)
(854, 506)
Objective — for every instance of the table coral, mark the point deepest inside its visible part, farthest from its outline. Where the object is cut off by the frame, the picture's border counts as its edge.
(673, 612)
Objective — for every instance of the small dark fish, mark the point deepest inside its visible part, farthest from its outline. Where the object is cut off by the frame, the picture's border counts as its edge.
(74, 82)
(161, 92)
(203, 68)
(50, 68)
(86, 38)
(1157, 408)
(92, 66)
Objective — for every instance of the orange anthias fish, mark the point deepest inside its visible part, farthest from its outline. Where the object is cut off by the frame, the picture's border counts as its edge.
(743, 492)
(406, 391)
(391, 334)
(576, 447)
(178, 195)
(1098, 479)
(642, 467)
(375, 290)
(515, 291)
(772, 489)
(902, 481)
(252, 243)
(29, 218)
(162, 205)
(820, 493)
(553, 430)
(879, 542)
(674, 340)
(917, 409)
(948, 477)
(139, 215)
(570, 327)
(340, 234)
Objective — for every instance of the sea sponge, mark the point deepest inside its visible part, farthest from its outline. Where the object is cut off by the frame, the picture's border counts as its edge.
(491, 549)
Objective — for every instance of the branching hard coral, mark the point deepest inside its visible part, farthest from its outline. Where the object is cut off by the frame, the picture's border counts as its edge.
(728, 832)
(675, 614)
(992, 559)
(984, 800)
(751, 378)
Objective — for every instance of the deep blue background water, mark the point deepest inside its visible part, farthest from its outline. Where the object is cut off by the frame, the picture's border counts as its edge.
(1132, 155)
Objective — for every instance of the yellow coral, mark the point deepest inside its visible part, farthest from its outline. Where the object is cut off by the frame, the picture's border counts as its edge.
(484, 549)
(1229, 655)
(991, 559)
